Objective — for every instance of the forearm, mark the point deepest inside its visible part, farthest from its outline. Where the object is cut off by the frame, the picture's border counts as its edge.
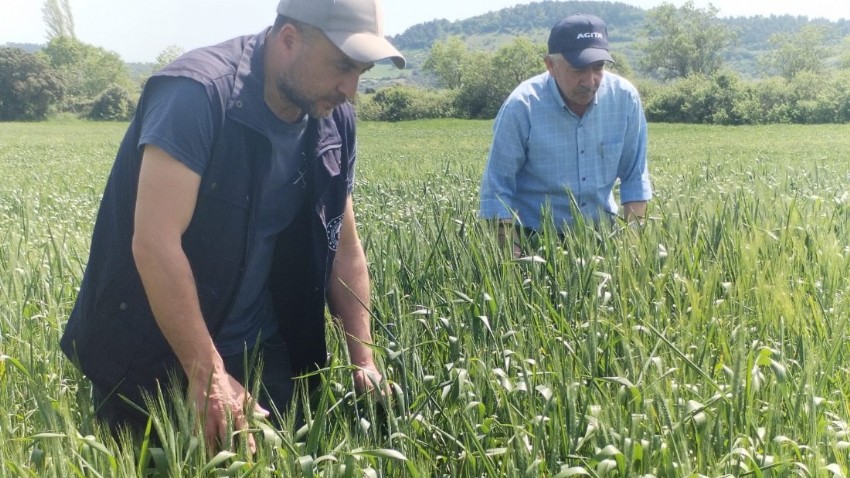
(348, 299)
(170, 288)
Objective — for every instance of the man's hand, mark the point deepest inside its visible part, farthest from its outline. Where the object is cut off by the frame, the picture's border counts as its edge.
(218, 398)
(367, 379)
(506, 236)
(634, 211)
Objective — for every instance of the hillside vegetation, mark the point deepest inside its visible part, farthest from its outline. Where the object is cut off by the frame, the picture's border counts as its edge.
(534, 20)
(689, 65)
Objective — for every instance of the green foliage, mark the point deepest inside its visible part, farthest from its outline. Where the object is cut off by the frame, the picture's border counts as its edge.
(516, 62)
(28, 86)
(678, 42)
(711, 342)
(114, 104)
(166, 56)
(477, 98)
(626, 28)
(402, 103)
(844, 53)
(698, 99)
(446, 61)
(86, 71)
(724, 98)
(803, 51)
(621, 66)
(531, 20)
(482, 80)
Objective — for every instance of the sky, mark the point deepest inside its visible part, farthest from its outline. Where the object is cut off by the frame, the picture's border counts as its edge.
(139, 30)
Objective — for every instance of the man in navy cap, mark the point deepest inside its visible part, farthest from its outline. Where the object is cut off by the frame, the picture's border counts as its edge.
(227, 225)
(563, 139)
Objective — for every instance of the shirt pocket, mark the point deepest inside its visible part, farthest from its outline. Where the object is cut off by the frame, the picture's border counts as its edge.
(609, 152)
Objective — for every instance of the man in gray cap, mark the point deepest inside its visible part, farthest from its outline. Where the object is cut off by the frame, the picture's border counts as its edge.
(227, 224)
(563, 138)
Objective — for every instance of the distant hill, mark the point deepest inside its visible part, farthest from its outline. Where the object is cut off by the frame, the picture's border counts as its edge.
(27, 47)
(492, 30)
(534, 20)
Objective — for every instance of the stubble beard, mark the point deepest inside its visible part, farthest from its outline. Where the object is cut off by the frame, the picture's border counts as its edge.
(290, 85)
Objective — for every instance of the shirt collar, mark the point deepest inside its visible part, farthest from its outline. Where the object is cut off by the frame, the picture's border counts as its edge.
(556, 93)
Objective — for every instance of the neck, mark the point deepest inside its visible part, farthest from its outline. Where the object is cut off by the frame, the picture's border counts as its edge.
(279, 104)
(578, 109)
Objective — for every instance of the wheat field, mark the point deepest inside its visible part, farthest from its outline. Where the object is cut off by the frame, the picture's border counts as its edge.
(710, 342)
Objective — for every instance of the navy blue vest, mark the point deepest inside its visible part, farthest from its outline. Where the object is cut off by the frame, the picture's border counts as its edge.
(111, 333)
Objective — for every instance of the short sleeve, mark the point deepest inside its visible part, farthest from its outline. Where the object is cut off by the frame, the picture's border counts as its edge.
(178, 117)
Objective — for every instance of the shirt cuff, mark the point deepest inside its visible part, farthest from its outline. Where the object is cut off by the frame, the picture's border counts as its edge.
(635, 193)
(494, 209)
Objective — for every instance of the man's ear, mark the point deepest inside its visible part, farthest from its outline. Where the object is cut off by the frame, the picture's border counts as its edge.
(288, 37)
(550, 63)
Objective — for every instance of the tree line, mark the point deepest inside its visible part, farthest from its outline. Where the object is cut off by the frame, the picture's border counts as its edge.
(681, 70)
(67, 75)
(681, 73)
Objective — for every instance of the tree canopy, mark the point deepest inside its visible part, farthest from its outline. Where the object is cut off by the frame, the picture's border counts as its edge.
(483, 80)
(802, 51)
(678, 42)
(28, 86)
(85, 71)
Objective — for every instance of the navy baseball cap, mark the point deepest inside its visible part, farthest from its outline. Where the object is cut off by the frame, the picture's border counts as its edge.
(582, 39)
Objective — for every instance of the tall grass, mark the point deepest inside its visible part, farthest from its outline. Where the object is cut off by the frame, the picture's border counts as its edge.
(710, 342)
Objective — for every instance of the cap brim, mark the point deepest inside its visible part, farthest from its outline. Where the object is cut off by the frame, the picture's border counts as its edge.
(580, 59)
(366, 47)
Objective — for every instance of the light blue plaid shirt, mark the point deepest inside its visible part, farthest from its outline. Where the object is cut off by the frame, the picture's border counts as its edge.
(543, 154)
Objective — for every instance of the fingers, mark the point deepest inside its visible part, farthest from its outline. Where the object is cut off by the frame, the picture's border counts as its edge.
(240, 423)
(258, 410)
(222, 403)
(368, 380)
(214, 422)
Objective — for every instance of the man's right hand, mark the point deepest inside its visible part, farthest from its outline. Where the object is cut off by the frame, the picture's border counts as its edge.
(219, 399)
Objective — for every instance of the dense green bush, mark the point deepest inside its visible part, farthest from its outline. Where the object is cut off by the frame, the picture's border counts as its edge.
(399, 103)
(114, 104)
(769, 102)
(725, 99)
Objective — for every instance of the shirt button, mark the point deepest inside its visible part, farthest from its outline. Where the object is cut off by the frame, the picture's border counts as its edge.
(238, 104)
